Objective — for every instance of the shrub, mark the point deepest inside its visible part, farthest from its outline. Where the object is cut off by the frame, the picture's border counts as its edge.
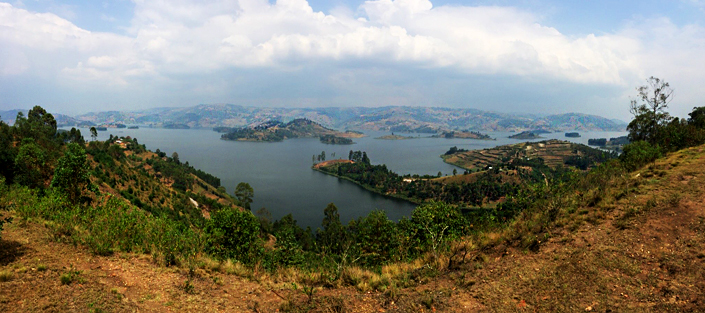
(436, 223)
(234, 234)
(638, 154)
(375, 238)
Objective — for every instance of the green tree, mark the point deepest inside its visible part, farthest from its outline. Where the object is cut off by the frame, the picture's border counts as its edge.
(72, 173)
(288, 250)
(638, 154)
(244, 194)
(697, 117)
(232, 233)
(94, 133)
(31, 164)
(333, 238)
(436, 223)
(39, 125)
(175, 157)
(7, 152)
(375, 238)
(649, 110)
(365, 159)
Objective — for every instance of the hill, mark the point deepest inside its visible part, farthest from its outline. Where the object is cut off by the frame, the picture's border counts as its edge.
(390, 118)
(278, 131)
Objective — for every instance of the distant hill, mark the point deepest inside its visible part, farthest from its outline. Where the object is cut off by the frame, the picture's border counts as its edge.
(278, 131)
(432, 120)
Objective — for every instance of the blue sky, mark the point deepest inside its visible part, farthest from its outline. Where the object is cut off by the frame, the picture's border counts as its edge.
(533, 56)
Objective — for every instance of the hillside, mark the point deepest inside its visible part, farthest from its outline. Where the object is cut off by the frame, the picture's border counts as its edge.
(616, 242)
(391, 118)
(553, 153)
(278, 131)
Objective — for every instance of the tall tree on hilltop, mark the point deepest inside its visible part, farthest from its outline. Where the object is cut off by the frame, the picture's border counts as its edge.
(649, 110)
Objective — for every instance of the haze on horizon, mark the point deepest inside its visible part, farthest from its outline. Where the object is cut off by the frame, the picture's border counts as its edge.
(541, 56)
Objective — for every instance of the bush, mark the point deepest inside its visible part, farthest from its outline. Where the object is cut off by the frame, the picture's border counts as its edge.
(638, 154)
(437, 223)
(375, 238)
(234, 234)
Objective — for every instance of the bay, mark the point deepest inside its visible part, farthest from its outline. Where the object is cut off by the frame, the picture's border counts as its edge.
(281, 176)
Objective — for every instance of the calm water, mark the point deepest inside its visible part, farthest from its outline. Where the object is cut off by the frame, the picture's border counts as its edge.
(281, 176)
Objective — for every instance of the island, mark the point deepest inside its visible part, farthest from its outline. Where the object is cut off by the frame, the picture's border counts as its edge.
(133, 127)
(572, 135)
(525, 135)
(175, 126)
(274, 131)
(613, 144)
(395, 137)
(463, 135)
(335, 140)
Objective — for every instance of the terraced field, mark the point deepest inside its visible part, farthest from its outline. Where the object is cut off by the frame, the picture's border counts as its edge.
(553, 152)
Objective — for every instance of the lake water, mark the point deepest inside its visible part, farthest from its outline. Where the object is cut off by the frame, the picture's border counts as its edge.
(281, 176)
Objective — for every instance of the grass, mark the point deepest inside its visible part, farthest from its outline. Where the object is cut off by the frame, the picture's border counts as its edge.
(70, 277)
(6, 276)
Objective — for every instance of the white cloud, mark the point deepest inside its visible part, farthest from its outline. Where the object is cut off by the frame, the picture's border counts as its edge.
(170, 38)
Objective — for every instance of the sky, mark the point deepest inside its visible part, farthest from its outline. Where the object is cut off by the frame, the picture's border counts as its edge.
(531, 56)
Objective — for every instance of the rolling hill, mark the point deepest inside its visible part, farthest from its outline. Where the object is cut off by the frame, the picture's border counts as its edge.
(391, 118)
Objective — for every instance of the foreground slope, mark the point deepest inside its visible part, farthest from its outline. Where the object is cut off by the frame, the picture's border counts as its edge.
(626, 242)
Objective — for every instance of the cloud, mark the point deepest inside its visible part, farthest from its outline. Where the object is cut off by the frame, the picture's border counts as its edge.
(169, 43)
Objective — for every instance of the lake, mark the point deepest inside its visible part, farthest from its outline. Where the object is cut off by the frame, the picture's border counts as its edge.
(281, 176)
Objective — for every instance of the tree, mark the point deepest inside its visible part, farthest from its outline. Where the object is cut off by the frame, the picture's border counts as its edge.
(323, 155)
(232, 233)
(94, 133)
(175, 157)
(7, 152)
(365, 159)
(72, 173)
(39, 125)
(333, 238)
(244, 194)
(455, 172)
(697, 117)
(437, 223)
(31, 164)
(649, 110)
